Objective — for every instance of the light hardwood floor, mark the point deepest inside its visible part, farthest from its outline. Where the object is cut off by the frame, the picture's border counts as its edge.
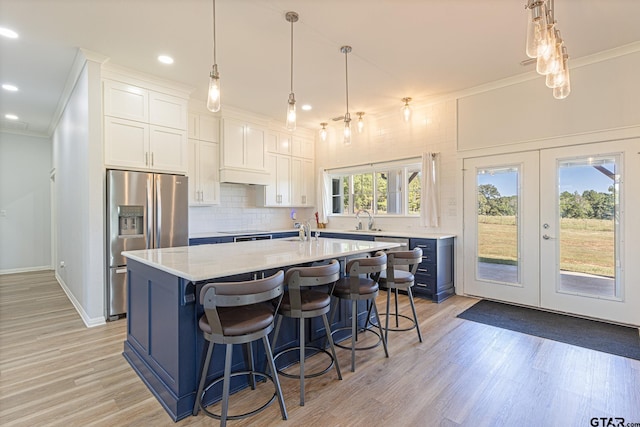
(54, 371)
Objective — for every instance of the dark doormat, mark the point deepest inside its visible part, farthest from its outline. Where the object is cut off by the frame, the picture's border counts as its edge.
(619, 340)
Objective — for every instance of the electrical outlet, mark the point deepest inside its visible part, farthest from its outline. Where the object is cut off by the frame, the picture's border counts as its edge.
(62, 265)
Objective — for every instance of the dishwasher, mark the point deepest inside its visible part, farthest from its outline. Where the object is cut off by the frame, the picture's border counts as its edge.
(404, 243)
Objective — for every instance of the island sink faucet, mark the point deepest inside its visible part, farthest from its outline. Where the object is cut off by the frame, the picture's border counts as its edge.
(359, 226)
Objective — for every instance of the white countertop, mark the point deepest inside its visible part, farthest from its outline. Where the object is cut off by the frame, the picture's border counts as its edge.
(414, 234)
(203, 262)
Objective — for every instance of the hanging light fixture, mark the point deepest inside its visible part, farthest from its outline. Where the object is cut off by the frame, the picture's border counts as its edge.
(547, 47)
(360, 121)
(406, 109)
(291, 104)
(347, 118)
(213, 97)
(323, 131)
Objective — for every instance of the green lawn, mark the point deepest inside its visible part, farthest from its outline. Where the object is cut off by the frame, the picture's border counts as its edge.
(586, 245)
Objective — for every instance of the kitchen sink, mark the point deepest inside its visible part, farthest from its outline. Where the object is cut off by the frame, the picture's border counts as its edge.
(373, 230)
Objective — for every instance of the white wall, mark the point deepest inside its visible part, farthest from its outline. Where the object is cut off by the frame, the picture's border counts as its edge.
(238, 211)
(25, 227)
(79, 200)
(387, 137)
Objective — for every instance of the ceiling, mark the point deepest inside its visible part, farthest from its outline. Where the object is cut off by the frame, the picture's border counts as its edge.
(424, 49)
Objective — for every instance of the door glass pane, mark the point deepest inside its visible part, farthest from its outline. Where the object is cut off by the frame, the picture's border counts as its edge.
(588, 208)
(498, 251)
(414, 176)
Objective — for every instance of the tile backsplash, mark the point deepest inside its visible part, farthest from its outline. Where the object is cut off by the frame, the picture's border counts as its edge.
(237, 211)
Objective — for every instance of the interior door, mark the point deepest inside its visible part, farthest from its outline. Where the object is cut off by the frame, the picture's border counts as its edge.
(501, 227)
(589, 208)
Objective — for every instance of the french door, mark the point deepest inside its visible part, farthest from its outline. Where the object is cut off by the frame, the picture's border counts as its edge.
(557, 229)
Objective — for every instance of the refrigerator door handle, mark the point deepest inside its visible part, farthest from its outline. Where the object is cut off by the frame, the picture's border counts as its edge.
(150, 212)
(158, 212)
(121, 270)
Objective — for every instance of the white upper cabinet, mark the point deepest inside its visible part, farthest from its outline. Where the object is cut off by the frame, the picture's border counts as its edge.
(302, 182)
(279, 143)
(302, 147)
(144, 129)
(243, 152)
(203, 127)
(204, 166)
(126, 101)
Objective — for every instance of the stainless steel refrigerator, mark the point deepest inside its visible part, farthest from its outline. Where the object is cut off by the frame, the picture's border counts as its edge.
(144, 211)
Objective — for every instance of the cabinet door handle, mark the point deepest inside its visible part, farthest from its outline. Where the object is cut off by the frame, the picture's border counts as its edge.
(146, 158)
(423, 269)
(151, 159)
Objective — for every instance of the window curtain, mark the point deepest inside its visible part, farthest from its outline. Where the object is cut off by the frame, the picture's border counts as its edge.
(324, 196)
(429, 195)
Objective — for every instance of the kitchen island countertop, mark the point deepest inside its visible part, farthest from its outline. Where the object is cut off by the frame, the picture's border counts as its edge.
(204, 262)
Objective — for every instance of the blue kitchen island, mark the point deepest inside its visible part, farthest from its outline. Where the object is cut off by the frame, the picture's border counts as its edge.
(164, 344)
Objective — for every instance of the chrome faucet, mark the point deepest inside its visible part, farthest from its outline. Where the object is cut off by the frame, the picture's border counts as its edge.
(306, 229)
(359, 226)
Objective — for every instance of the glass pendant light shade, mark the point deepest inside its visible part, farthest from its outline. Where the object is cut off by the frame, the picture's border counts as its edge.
(291, 113)
(347, 129)
(537, 29)
(555, 77)
(546, 52)
(323, 131)
(213, 98)
(406, 110)
(564, 89)
(360, 122)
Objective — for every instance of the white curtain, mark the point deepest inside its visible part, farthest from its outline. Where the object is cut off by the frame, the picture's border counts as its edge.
(429, 196)
(323, 195)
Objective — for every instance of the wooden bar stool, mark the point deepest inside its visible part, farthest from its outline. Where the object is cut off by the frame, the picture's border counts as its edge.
(361, 284)
(302, 302)
(239, 313)
(395, 279)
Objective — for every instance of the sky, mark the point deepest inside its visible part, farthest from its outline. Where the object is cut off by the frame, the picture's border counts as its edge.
(574, 178)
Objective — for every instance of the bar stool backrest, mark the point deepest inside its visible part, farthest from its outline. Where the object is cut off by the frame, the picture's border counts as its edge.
(303, 277)
(236, 294)
(411, 258)
(371, 266)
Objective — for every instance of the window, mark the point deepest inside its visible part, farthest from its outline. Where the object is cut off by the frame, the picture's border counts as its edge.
(384, 189)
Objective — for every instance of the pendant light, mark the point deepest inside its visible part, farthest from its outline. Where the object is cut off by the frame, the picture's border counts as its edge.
(406, 109)
(291, 104)
(323, 131)
(347, 118)
(213, 97)
(360, 121)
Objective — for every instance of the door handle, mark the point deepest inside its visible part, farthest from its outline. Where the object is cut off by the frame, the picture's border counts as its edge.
(547, 237)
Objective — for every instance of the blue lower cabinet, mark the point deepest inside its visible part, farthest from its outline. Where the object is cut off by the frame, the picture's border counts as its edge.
(434, 278)
(210, 240)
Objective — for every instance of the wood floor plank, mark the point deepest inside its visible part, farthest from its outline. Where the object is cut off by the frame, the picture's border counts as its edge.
(55, 371)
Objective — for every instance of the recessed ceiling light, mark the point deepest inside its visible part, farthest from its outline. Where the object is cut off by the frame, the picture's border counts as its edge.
(8, 33)
(10, 88)
(165, 59)
(306, 107)
(11, 117)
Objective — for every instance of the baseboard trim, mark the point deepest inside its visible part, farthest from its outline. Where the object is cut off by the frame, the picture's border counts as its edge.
(25, 270)
(88, 321)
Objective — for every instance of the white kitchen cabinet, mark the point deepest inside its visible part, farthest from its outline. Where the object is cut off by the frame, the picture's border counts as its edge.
(204, 127)
(302, 182)
(302, 147)
(279, 143)
(204, 165)
(126, 143)
(243, 153)
(277, 193)
(126, 101)
(144, 129)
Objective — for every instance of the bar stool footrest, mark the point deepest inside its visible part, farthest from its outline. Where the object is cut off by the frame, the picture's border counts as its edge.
(312, 375)
(361, 330)
(246, 414)
(408, 328)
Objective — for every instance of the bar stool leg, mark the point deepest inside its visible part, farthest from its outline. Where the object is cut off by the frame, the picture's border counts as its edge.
(415, 316)
(203, 378)
(397, 316)
(302, 339)
(226, 385)
(333, 348)
(354, 332)
(386, 322)
(276, 381)
(384, 341)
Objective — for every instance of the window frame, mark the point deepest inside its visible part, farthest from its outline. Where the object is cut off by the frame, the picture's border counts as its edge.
(407, 168)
